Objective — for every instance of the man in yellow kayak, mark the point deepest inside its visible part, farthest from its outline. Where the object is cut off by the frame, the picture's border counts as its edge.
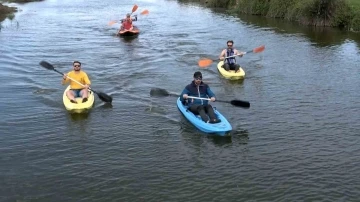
(197, 106)
(230, 63)
(76, 90)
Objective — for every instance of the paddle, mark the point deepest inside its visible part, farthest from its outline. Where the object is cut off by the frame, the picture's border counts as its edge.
(144, 12)
(204, 62)
(159, 92)
(104, 97)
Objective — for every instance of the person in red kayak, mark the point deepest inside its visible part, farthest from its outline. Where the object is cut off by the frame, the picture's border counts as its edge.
(77, 90)
(230, 63)
(126, 24)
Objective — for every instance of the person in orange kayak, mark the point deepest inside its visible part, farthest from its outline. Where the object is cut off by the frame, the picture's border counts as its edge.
(127, 22)
(76, 90)
(230, 63)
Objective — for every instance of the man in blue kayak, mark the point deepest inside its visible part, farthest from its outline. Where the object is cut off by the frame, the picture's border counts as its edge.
(198, 106)
(230, 63)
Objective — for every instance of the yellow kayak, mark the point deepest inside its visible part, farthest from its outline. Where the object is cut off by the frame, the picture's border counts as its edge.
(78, 107)
(230, 74)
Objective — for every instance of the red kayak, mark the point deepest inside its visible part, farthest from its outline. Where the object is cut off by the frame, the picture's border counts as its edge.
(135, 31)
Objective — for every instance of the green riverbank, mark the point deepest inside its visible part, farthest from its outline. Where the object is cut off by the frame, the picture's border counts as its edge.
(6, 11)
(344, 14)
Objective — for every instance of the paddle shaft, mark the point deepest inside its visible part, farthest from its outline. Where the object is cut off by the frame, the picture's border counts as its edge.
(71, 79)
(200, 98)
(243, 53)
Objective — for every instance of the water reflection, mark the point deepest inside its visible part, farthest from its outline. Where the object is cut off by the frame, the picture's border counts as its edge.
(127, 39)
(79, 116)
(320, 36)
(192, 135)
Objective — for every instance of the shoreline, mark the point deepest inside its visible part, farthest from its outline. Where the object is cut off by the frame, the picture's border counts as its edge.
(9, 12)
(343, 14)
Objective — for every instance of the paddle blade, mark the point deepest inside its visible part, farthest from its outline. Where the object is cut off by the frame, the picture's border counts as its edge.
(240, 103)
(204, 62)
(47, 65)
(112, 22)
(158, 92)
(259, 49)
(145, 12)
(134, 8)
(104, 97)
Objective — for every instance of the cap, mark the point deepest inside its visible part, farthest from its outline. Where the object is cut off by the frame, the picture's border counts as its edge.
(197, 74)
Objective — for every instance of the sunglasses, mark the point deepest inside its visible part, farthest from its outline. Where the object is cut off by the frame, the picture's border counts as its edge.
(230, 45)
(198, 78)
(77, 65)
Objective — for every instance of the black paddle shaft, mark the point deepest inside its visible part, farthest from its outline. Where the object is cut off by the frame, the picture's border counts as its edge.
(159, 92)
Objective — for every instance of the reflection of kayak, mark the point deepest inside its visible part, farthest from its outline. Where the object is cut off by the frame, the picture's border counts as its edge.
(230, 74)
(133, 32)
(79, 107)
(221, 128)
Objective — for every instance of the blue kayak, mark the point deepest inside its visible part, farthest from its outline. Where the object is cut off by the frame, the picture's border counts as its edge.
(221, 128)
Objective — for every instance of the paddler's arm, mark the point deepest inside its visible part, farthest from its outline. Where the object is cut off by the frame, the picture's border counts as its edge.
(184, 95)
(65, 79)
(87, 81)
(222, 55)
(240, 54)
(210, 94)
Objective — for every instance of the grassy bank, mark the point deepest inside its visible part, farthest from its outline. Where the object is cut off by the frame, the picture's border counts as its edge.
(334, 13)
(6, 11)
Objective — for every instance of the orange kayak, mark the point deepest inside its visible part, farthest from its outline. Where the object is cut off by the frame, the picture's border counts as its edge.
(133, 32)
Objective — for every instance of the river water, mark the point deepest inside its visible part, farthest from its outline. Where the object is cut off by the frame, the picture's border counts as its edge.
(299, 141)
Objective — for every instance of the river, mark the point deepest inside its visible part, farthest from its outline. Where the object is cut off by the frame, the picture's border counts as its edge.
(299, 141)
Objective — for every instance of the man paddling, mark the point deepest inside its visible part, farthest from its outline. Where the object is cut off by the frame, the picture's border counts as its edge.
(127, 22)
(230, 63)
(76, 90)
(197, 106)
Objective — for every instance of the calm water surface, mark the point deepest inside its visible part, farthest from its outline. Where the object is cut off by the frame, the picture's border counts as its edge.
(299, 141)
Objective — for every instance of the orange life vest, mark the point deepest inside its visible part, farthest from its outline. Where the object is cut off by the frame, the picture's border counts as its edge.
(127, 24)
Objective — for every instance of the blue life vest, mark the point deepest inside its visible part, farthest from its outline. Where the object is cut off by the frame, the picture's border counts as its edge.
(230, 53)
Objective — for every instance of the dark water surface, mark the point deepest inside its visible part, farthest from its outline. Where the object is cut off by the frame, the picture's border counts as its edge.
(299, 141)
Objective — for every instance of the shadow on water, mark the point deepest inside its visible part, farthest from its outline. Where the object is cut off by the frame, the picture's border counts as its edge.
(127, 39)
(196, 137)
(79, 116)
(106, 105)
(235, 82)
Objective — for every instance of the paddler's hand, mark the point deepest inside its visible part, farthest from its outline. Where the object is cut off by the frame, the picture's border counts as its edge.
(221, 58)
(65, 76)
(241, 54)
(185, 96)
(86, 86)
(212, 99)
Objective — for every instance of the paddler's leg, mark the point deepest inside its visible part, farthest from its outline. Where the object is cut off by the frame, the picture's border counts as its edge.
(236, 67)
(71, 95)
(84, 95)
(210, 111)
(199, 110)
(226, 67)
